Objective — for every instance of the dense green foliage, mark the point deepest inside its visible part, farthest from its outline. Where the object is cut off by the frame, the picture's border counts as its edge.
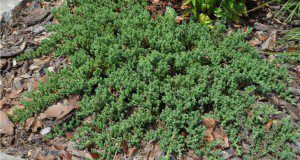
(204, 9)
(143, 79)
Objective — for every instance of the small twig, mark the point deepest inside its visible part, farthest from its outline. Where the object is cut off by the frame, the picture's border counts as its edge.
(265, 4)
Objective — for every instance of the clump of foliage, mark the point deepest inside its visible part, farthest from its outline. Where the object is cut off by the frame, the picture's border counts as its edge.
(145, 79)
(290, 9)
(204, 9)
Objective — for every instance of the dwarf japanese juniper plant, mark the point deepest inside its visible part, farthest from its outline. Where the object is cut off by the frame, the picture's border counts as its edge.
(144, 79)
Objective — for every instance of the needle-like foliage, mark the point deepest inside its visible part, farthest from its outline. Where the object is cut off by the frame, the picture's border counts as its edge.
(146, 79)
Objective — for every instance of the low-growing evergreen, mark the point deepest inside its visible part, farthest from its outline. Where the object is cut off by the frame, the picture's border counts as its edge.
(144, 79)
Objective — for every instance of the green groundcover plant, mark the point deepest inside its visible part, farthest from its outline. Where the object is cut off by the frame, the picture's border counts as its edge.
(204, 9)
(144, 79)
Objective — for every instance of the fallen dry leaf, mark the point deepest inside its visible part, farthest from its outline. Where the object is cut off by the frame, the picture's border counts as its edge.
(10, 111)
(7, 80)
(214, 133)
(237, 25)
(48, 157)
(28, 99)
(6, 126)
(132, 151)
(262, 38)
(95, 155)
(269, 125)
(15, 102)
(43, 79)
(15, 93)
(209, 122)
(219, 134)
(260, 27)
(41, 116)
(35, 153)
(74, 101)
(210, 126)
(254, 42)
(270, 43)
(290, 49)
(22, 47)
(155, 1)
(4, 101)
(184, 7)
(58, 111)
(81, 154)
(69, 135)
(153, 151)
(29, 123)
(277, 21)
(63, 154)
(124, 147)
(151, 8)
(297, 68)
(208, 134)
(35, 83)
(28, 4)
(293, 111)
(178, 19)
(191, 155)
(34, 124)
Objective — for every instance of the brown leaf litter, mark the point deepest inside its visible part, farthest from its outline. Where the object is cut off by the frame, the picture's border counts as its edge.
(33, 124)
(270, 43)
(60, 110)
(213, 132)
(6, 126)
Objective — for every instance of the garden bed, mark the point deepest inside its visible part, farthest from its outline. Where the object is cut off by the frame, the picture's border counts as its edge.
(135, 80)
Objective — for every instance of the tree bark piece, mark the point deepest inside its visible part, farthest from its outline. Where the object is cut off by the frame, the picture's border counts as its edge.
(36, 16)
(12, 52)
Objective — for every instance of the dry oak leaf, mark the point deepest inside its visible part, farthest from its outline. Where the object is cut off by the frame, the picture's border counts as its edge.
(58, 111)
(33, 124)
(6, 126)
